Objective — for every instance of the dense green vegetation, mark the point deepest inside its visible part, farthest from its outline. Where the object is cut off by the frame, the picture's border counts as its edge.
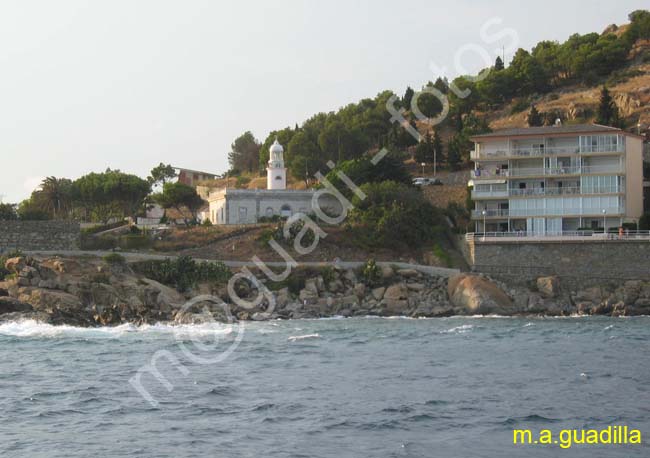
(97, 197)
(393, 214)
(184, 272)
(181, 197)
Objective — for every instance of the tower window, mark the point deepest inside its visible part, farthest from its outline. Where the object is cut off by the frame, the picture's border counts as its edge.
(278, 177)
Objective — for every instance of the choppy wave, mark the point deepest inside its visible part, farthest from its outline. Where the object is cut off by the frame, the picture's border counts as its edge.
(32, 328)
(306, 336)
(459, 329)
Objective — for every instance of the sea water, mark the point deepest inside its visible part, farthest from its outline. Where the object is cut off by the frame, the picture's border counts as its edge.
(361, 387)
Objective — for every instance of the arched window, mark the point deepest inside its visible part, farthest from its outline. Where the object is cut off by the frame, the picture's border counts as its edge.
(269, 212)
(278, 177)
(285, 211)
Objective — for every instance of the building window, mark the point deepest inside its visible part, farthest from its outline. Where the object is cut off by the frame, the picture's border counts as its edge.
(243, 213)
(278, 177)
(269, 212)
(285, 211)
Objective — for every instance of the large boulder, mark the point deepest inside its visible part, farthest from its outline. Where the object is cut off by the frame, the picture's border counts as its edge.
(478, 295)
(396, 299)
(548, 286)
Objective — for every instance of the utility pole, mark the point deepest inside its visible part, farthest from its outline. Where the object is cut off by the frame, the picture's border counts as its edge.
(435, 161)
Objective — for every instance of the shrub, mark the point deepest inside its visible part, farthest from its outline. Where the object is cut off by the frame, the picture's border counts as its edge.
(89, 242)
(520, 105)
(371, 272)
(441, 254)
(3, 259)
(134, 242)
(206, 223)
(115, 258)
(183, 272)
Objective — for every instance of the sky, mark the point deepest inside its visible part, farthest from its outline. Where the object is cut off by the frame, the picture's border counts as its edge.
(129, 84)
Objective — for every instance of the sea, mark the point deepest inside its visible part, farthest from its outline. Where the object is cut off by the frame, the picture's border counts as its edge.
(356, 387)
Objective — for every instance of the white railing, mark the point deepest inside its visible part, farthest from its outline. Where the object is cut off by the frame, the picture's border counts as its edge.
(516, 152)
(613, 234)
(491, 174)
(533, 212)
(555, 191)
(484, 194)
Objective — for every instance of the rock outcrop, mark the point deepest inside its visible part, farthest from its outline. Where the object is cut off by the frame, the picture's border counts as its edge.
(478, 295)
(91, 292)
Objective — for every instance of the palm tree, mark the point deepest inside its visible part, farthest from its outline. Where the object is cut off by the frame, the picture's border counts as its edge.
(54, 196)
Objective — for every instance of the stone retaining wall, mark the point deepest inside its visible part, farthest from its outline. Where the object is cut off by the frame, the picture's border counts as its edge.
(577, 261)
(39, 235)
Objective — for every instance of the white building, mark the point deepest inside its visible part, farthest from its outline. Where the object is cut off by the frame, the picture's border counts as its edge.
(247, 206)
(554, 179)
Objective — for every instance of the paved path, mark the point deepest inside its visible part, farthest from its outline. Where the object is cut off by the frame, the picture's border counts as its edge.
(134, 257)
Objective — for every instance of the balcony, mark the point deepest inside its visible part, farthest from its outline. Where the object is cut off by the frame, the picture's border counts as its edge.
(540, 212)
(489, 194)
(542, 172)
(556, 191)
(522, 153)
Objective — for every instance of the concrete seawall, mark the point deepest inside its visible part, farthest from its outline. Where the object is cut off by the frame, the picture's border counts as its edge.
(579, 261)
(39, 235)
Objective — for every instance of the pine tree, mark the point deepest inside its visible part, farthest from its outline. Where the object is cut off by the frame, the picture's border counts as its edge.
(607, 110)
(534, 118)
(498, 64)
(408, 96)
(453, 154)
(424, 150)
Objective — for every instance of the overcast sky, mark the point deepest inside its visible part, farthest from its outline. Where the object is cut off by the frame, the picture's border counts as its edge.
(86, 85)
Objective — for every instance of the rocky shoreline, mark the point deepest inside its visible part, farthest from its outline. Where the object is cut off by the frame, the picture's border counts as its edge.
(88, 291)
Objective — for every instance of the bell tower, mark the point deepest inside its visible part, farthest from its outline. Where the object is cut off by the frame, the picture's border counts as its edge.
(276, 173)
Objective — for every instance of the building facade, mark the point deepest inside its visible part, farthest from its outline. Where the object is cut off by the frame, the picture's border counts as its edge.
(548, 180)
(247, 206)
(192, 177)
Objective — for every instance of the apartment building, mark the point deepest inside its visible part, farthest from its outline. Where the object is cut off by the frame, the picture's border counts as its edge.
(553, 179)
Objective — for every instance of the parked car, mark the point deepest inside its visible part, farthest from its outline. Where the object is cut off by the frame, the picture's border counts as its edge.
(424, 181)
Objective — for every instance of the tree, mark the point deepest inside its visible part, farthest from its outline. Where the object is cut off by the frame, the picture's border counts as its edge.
(28, 210)
(8, 212)
(245, 153)
(181, 197)
(453, 153)
(408, 96)
(424, 150)
(112, 194)
(306, 157)
(161, 174)
(607, 110)
(498, 64)
(55, 196)
(361, 171)
(534, 118)
(394, 214)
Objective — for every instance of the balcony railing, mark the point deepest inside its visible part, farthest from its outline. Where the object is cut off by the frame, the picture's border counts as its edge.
(534, 212)
(525, 236)
(487, 174)
(516, 152)
(555, 191)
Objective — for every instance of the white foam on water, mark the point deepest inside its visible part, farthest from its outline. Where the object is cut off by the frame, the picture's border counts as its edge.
(306, 336)
(32, 328)
(459, 329)
(529, 324)
(608, 327)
